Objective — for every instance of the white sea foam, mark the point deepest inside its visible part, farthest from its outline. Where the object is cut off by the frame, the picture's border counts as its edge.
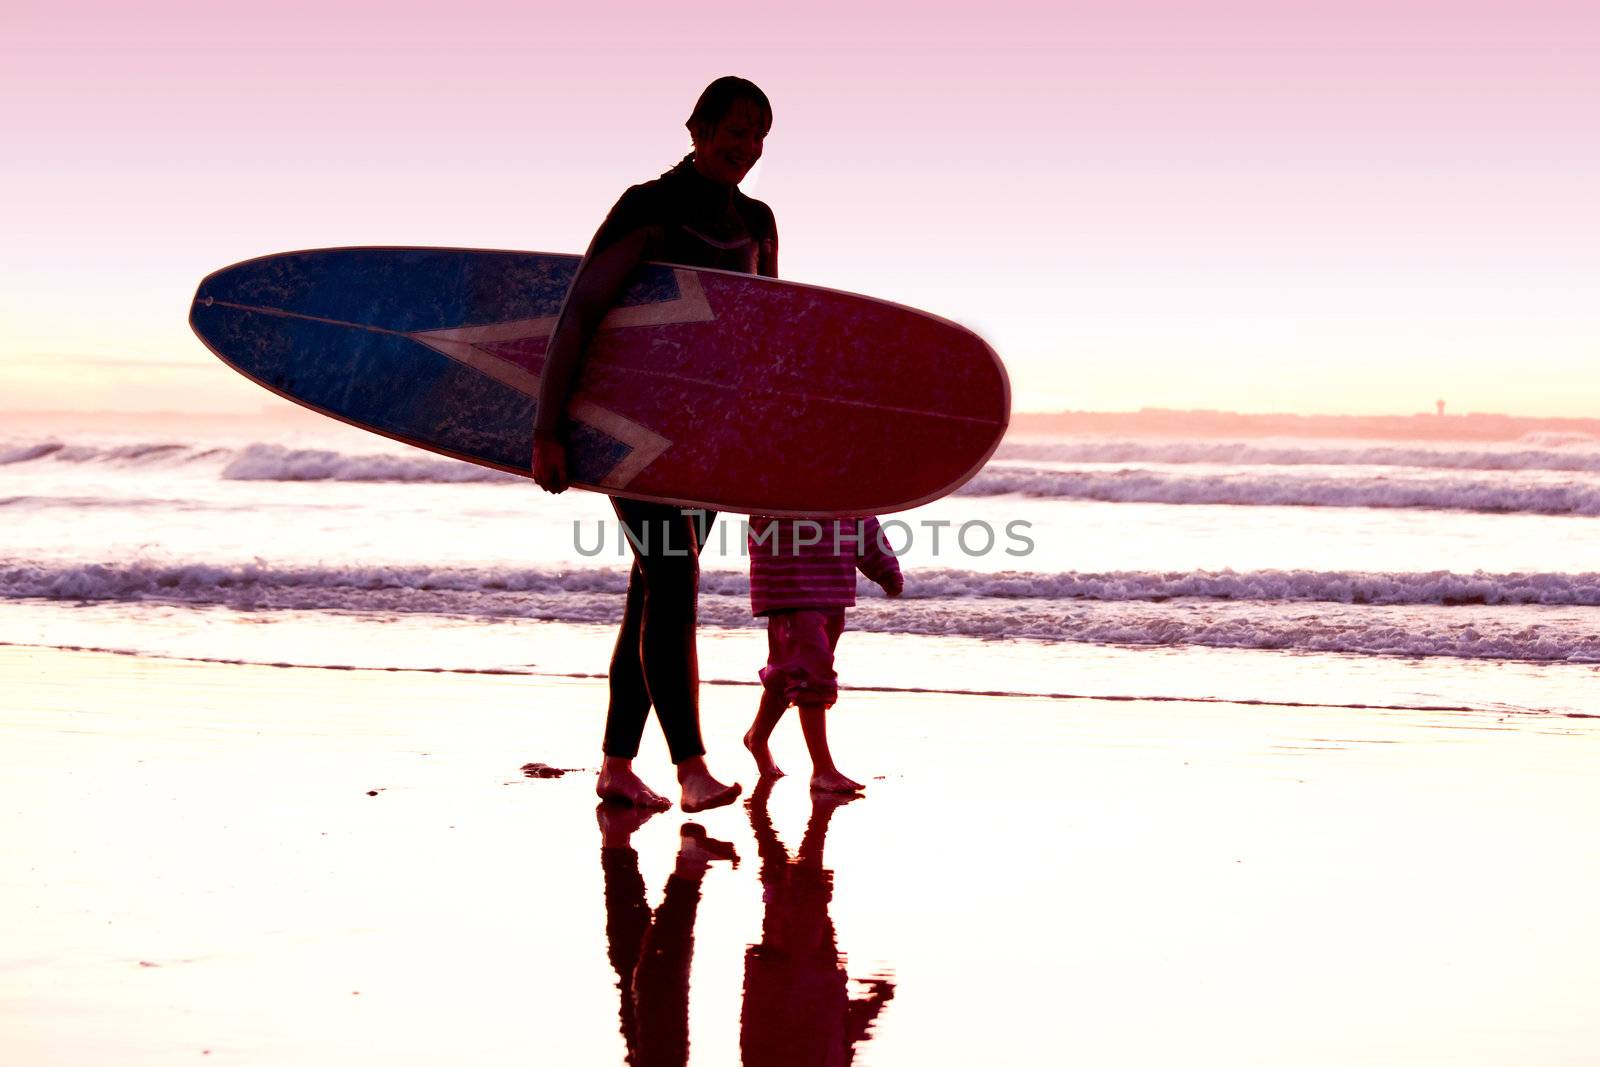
(1337, 587)
(1470, 616)
(1151, 487)
(137, 579)
(1409, 631)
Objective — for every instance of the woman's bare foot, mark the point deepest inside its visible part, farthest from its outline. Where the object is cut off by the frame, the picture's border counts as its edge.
(758, 748)
(834, 782)
(702, 794)
(697, 850)
(700, 790)
(619, 785)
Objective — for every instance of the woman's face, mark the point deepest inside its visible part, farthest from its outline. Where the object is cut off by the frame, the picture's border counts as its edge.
(727, 153)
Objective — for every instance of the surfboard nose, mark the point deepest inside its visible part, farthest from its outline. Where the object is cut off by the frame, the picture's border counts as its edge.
(237, 282)
(204, 300)
(204, 319)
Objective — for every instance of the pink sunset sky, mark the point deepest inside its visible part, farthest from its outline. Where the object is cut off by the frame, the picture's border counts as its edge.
(1308, 207)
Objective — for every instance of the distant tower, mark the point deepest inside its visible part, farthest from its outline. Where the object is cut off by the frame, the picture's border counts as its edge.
(1440, 405)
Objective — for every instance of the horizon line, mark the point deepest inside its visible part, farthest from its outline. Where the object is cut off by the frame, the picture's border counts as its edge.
(294, 411)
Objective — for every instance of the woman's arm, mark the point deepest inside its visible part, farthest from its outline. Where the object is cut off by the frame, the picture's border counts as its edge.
(767, 262)
(594, 290)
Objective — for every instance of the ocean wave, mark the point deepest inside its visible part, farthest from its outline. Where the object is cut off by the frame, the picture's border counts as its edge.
(1539, 456)
(1544, 451)
(1559, 439)
(28, 452)
(1300, 586)
(1472, 616)
(260, 462)
(275, 463)
(106, 503)
(140, 579)
(1253, 490)
(1370, 631)
(1516, 488)
(140, 453)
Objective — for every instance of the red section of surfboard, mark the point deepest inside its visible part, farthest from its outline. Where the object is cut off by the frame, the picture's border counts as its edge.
(780, 392)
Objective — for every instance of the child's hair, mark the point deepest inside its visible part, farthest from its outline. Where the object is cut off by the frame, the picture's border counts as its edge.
(719, 98)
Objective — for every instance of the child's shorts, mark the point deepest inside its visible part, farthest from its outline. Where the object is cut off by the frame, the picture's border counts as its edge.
(800, 648)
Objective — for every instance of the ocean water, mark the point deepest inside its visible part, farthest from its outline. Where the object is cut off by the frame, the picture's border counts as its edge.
(1365, 573)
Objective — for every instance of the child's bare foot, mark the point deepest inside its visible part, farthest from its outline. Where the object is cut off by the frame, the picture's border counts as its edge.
(758, 748)
(619, 785)
(834, 782)
(700, 790)
(696, 850)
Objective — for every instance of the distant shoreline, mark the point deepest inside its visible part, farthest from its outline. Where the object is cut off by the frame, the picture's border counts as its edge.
(1147, 422)
(1165, 422)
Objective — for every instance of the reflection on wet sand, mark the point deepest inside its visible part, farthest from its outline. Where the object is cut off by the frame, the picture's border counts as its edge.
(797, 1005)
(651, 951)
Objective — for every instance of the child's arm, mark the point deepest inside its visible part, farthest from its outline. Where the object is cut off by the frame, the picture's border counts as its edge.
(876, 560)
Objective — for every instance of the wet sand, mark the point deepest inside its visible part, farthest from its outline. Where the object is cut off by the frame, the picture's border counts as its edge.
(260, 865)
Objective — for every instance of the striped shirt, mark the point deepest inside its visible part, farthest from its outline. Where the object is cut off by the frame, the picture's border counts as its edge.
(811, 563)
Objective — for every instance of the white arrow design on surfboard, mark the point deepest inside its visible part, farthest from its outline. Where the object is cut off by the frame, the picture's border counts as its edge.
(462, 343)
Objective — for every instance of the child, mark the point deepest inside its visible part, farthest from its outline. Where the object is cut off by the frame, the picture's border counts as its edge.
(802, 577)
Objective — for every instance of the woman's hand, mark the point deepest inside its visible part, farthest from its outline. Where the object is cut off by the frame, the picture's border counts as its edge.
(549, 464)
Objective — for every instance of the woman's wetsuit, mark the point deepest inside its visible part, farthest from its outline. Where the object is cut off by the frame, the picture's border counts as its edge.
(697, 222)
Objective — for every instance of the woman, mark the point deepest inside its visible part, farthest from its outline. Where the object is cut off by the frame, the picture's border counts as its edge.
(694, 215)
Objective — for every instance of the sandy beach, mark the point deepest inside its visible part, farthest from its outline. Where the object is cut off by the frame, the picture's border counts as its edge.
(270, 865)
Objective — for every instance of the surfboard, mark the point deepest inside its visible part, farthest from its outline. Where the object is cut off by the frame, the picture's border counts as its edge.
(702, 387)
